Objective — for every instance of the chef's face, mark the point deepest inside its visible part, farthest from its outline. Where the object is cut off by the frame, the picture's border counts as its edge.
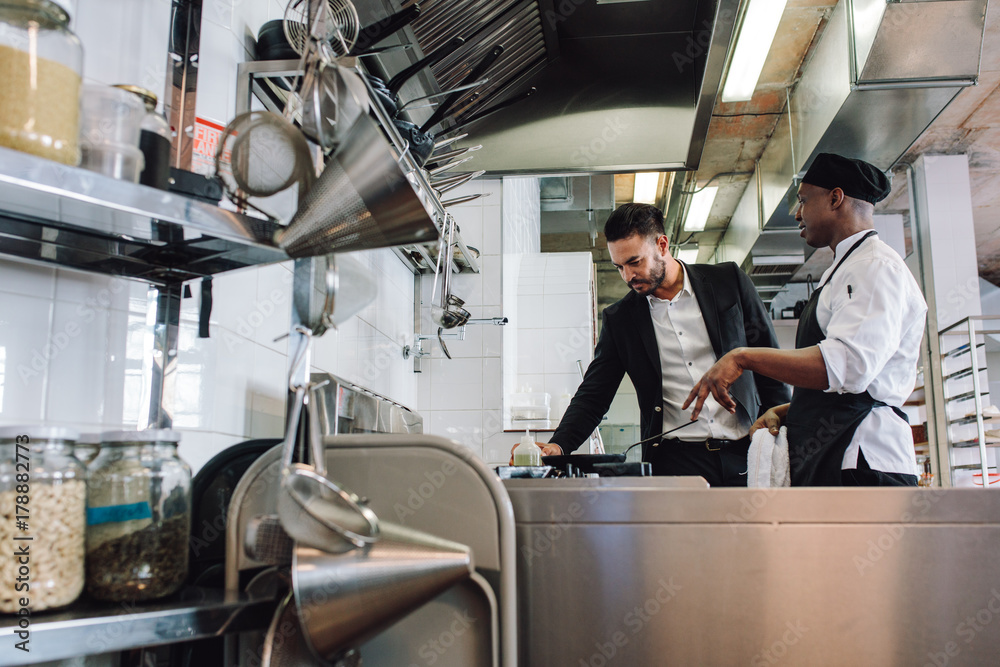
(641, 261)
(815, 215)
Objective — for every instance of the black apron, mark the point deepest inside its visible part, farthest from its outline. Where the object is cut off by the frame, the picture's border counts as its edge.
(821, 425)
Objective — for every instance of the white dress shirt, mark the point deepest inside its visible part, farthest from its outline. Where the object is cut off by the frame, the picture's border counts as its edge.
(873, 314)
(686, 354)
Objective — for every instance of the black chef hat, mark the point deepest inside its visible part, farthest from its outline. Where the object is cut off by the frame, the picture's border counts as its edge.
(856, 178)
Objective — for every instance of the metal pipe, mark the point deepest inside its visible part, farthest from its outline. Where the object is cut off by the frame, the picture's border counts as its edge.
(937, 417)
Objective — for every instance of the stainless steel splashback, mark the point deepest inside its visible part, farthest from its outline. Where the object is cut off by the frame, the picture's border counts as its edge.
(347, 408)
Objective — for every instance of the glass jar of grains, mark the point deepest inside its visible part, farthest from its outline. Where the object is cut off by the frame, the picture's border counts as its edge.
(42, 502)
(40, 65)
(138, 516)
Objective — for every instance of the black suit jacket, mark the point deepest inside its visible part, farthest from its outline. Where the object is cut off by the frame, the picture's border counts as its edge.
(734, 317)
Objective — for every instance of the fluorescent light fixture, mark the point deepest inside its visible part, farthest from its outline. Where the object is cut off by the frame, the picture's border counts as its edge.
(645, 187)
(701, 206)
(688, 254)
(775, 260)
(756, 34)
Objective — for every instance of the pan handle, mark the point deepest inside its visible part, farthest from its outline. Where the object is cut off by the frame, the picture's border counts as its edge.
(477, 73)
(499, 106)
(373, 33)
(396, 82)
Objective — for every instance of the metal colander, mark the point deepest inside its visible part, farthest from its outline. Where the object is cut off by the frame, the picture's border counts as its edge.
(362, 200)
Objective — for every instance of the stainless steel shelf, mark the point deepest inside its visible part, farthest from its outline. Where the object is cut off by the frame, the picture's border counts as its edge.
(72, 217)
(89, 628)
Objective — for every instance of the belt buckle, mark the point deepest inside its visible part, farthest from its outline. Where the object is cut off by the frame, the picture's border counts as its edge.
(708, 446)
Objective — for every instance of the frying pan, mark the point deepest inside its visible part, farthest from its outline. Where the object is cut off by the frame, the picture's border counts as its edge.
(421, 142)
(585, 462)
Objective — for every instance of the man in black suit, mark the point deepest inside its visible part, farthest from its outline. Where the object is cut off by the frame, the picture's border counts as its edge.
(677, 321)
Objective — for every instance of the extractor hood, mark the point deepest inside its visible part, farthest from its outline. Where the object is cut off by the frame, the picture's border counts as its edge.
(621, 86)
(880, 74)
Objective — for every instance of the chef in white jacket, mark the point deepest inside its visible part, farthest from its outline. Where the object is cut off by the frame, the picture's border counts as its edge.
(857, 343)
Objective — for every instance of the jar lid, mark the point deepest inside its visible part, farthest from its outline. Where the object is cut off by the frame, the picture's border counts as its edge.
(149, 435)
(65, 5)
(148, 97)
(39, 433)
(89, 439)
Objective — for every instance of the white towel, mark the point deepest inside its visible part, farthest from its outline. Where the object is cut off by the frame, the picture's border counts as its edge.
(767, 459)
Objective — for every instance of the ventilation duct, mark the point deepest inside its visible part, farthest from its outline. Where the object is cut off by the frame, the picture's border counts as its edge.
(881, 73)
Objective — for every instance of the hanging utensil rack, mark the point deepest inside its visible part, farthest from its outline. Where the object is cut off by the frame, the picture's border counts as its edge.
(420, 258)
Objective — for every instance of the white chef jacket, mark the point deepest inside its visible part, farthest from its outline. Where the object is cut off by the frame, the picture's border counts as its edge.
(873, 315)
(686, 354)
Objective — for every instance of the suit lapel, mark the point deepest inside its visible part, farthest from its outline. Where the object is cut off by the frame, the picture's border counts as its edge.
(705, 294)
(644, 325)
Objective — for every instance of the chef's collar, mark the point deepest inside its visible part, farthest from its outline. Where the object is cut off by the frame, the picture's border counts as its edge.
(841, 250)
(685, 289)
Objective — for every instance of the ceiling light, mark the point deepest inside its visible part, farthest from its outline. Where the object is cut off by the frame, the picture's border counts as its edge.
(775, 260)
(688, 254)
(645, 187)
(756, 34)
(701, 206)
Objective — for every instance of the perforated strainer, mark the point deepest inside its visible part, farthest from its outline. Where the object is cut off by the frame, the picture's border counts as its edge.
(362, 200)
(260, 154)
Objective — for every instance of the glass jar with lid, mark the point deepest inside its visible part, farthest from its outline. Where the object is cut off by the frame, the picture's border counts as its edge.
(40, 67)
(138, 516)
(43, 495)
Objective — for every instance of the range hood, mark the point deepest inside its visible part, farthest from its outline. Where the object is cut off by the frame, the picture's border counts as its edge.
(622, 85)
(881, 73)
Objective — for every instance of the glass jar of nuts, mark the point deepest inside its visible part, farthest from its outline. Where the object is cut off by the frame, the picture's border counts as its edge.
(138, 516)
(42, 508)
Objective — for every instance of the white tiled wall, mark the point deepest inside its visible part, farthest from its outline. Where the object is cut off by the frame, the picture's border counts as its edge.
(460, 398)
(73, 351)
(124, 41)
(555, 324)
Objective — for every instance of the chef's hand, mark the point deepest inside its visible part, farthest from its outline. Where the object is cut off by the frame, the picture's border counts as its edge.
(548, 449)
(771, 420)
(716, 382)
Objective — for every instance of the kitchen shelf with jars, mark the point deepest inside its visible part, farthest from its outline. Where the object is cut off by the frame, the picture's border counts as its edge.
(973, 424)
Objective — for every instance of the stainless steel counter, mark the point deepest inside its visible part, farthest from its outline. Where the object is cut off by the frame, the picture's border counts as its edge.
(645, 572)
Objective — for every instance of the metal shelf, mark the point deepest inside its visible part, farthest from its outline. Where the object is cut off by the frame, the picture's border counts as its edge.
(966, 396)
(960, 350)
(964, 373)
(88, 628)
(72, 217)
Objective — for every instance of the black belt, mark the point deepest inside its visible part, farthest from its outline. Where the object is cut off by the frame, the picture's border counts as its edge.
(711, 444)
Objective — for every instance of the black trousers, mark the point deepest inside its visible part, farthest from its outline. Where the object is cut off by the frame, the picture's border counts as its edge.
(727, 466)
(863, 475)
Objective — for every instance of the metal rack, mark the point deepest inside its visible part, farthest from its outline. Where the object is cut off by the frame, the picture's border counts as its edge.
(92, 628)
(972, 342)
(420, 258)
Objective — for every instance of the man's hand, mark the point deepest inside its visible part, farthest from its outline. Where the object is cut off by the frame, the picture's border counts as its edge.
(548, 449)
(716, 382)
(771, 420)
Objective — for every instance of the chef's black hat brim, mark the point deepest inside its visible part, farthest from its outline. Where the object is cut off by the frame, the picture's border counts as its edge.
(857, 178)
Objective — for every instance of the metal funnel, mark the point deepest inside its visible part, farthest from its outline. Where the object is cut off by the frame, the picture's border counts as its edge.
(362, 200)
(345, 598)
